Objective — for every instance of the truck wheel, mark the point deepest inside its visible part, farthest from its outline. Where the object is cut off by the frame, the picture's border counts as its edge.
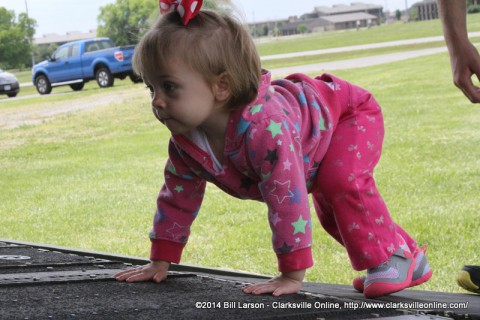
(43, 85)
(135, 78)
(104, 77)
(77, 86)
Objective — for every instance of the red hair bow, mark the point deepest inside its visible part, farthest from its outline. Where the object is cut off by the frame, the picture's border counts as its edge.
(187, 9)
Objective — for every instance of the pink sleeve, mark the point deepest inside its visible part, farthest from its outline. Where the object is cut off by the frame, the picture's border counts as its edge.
(276, 155)
(178, 204)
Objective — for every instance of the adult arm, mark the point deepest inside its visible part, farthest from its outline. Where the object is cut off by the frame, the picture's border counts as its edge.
(464, 57)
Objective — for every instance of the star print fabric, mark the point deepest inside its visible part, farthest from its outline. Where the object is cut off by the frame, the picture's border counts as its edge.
(321, 136)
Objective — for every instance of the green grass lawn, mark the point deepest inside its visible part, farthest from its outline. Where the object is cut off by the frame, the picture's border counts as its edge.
(89, 180)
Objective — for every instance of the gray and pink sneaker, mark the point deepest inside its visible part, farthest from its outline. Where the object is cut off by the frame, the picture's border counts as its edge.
(392, 276)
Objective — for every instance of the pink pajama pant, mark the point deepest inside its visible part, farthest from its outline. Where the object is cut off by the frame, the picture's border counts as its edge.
(346, 199)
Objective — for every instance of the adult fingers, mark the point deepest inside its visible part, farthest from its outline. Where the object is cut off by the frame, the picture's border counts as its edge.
(465, 84)
(471, 91)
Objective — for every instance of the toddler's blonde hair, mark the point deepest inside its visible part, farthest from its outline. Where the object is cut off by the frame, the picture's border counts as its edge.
(211, 44)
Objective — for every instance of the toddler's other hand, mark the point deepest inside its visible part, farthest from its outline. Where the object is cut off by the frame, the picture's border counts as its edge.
(155, 270)
(287, 283)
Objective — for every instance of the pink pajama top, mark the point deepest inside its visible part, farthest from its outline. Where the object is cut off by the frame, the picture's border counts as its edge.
(273, 149)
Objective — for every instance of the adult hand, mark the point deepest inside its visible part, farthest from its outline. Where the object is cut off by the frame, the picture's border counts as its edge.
(155, 270)
(464, 57)
(465, 62)
(286, 283)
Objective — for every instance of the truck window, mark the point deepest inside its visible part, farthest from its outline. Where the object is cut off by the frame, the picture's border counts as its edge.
(98, 45)
(75, 51)
(105, 44)
(91, 46)
(61, 53)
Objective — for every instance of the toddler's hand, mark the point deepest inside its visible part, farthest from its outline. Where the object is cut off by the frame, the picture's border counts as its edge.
(155, 270)
(286, 283)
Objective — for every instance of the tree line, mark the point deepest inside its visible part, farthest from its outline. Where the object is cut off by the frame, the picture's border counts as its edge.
(124, 21)
(16, 34)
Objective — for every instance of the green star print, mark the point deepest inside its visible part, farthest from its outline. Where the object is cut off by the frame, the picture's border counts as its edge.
(256, 108)
(275, 128)
(299, 225)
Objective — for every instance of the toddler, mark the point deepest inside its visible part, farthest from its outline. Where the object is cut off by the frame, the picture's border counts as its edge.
(273, 141)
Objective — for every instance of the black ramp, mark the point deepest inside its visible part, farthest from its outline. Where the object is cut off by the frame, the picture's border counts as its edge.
(45, 283)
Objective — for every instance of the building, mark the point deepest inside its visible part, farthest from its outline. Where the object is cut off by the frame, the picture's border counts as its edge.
(337, 17)
(53, 38)
(355, 7)
(351, 16)
(296, 26)
(348, 21)
(425, 10)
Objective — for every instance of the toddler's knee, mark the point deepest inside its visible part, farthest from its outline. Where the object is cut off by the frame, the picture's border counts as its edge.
(343, 182)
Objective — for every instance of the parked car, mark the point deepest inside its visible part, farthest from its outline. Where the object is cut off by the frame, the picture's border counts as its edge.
(78, 62)
(9, 84)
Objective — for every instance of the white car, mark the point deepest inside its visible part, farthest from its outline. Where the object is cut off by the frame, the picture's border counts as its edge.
(9, 84)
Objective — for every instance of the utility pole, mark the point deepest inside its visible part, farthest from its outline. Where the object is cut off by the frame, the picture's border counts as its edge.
(31, 40)
(406, 10)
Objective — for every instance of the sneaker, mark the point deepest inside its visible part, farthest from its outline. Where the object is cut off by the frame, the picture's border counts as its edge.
(469, 278)
(422, 272)
(391, 276)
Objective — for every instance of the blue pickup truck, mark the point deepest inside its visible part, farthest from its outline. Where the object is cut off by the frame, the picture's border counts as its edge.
(77, 62)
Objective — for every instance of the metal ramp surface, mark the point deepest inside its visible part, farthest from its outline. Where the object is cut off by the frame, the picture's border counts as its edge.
(45, 282)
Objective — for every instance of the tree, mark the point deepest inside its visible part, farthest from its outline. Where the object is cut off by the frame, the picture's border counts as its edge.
(276, 29)
(413, 15)
(42, 52)
(398, 15)
(302, 28)
(15, 39)
(126, 21)
(265, 30)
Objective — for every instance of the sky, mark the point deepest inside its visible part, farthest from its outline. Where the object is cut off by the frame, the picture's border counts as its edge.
(62, 16)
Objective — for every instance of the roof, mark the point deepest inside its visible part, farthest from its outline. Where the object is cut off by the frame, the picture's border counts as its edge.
(68, 37)
(341, 8)
(85, 40)
(424, 2)
(338, 18)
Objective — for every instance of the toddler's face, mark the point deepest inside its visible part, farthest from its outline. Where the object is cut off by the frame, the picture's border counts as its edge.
(181, 98)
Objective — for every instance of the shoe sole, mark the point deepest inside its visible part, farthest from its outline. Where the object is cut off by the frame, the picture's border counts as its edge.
(359, 286)
(379, 289)
(358, 283)
(422, 279)
(464, 281)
